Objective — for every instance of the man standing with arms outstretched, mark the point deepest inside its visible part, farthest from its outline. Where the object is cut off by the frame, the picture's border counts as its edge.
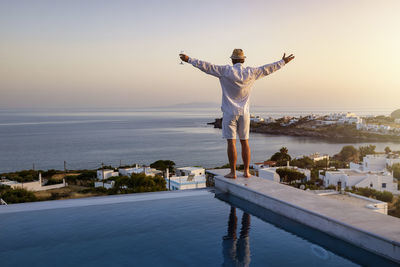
(236, 82)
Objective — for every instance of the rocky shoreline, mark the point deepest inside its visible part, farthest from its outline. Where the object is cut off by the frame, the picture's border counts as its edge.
(344, 133)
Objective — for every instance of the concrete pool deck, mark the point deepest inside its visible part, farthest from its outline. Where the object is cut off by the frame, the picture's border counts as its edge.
(375, 232)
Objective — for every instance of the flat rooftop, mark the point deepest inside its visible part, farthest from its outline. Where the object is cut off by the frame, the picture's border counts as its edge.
(365, 228)
(357, 202)
(190, 168)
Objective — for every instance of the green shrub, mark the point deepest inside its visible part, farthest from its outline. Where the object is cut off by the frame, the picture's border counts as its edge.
(18, 195)
(289, 175)
(385, 196)
(52, 181)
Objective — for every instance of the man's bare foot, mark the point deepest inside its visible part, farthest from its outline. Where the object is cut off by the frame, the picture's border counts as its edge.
(247, 174)
(230, 175)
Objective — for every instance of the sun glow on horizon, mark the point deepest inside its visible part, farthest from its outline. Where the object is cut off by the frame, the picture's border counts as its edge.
(96, 54)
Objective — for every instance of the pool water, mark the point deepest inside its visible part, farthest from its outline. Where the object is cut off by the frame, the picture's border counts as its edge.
(194, 230)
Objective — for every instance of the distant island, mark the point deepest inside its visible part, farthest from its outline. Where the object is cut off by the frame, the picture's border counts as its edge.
(335, 126)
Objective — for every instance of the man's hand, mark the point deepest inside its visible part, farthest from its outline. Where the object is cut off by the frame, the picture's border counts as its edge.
(288, 58)
(184, 57)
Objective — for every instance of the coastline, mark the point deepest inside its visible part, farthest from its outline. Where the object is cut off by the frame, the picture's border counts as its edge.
(346, 133)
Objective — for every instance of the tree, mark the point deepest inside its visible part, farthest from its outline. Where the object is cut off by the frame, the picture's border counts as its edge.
(387, 150)
(281, 157)
(396, 170)
(163, 165)
(289, 175)
(284, 150)
(395, 211)
(314, 175)
(323, 163)
(366, 150)
(304, 163)
(348, 154)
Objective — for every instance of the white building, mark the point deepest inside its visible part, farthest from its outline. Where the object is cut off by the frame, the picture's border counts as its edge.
(107, 185)
(187, 178)
(370, 173)
(349, 118)
(186, 171)
(136, 170)
(107, 174)
(342, 178)
(376, 162)
(315, 157)
(272, 175)
(269, 120)
(376, 127)
(257, 119)
(262, 165)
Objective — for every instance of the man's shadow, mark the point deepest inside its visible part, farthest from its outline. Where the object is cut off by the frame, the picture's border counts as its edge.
(237, 251)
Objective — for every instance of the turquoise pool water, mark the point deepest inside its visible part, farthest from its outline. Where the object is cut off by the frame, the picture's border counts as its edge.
(197, 229)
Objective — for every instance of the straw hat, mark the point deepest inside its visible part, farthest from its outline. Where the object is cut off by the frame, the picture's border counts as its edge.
(237, 54)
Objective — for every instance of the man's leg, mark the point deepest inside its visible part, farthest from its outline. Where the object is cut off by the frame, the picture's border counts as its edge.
(246, 154)
(232, 156)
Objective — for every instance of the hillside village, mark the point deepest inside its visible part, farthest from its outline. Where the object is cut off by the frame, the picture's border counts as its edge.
(365, 172)
(347, 126)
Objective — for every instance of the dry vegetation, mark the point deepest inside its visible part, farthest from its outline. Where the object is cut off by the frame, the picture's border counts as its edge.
(69, 192)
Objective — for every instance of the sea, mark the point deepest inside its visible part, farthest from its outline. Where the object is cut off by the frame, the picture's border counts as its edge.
(86, 138)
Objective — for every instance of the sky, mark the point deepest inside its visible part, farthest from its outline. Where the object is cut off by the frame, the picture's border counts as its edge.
(110, 54)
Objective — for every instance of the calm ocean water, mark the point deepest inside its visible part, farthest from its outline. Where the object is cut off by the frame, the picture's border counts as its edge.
(86, 138)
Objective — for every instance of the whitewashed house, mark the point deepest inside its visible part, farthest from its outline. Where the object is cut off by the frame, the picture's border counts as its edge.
(185, 171)
(376, 162)
(139, 169)
(342, 178)
(269, 120)
(107, 174)
(187, 178)
(256, 119)
(370, 173)
(344, 118)
(106, 185)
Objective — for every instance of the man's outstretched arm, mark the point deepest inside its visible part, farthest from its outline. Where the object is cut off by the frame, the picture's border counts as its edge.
(270, 68)
(206, 67)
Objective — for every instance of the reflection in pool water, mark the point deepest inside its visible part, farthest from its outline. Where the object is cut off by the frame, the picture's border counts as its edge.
(237, 251)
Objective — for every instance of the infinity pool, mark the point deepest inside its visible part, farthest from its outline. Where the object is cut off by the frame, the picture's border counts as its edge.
(167, 229)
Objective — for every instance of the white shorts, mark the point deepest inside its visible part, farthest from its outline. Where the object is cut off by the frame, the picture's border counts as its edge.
(232, 124)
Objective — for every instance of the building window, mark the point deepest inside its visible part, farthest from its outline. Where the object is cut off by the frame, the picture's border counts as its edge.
(383, 185)
(371, 185)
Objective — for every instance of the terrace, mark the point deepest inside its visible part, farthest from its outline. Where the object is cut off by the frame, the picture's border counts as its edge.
(364, 228)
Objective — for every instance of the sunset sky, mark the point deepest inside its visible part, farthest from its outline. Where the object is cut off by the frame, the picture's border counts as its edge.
(125, 53)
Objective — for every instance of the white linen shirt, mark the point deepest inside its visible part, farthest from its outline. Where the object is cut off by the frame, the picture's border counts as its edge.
(236, 82)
